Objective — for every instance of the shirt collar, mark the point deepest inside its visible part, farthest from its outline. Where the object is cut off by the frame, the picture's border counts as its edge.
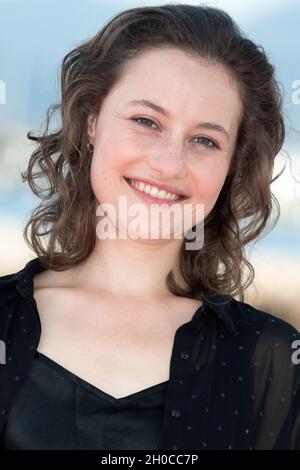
(223, 308)
(217, 303)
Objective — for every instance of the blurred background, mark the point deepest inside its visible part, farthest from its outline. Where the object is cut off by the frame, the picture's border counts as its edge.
(34, 37)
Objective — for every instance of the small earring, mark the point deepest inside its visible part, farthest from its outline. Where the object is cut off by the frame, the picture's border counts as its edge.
(90, 148)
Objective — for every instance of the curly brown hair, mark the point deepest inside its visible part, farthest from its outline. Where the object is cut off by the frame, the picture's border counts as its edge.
(245, 204)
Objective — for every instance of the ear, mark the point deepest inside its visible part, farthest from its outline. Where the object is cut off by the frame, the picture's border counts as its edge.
(91, 127)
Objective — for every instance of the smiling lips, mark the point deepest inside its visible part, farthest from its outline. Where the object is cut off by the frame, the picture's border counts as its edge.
(153, 194)
(156, 184)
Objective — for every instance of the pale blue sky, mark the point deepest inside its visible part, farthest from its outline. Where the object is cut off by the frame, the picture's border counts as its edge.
(36, 34)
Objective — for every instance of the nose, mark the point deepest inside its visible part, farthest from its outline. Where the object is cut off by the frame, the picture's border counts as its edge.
(169, 165)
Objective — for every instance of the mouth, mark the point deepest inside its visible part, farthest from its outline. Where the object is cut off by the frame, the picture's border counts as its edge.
(150, 199)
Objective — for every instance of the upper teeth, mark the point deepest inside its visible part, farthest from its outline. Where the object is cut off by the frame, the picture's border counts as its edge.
(153, 190)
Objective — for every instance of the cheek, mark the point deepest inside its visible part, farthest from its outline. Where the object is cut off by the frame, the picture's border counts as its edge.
(100, 176)
(110, 162)
(98, 179)
(209, 183)
(116, 152)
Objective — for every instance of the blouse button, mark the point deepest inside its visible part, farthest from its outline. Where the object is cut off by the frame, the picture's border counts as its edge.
(184, 355)
(176, 413)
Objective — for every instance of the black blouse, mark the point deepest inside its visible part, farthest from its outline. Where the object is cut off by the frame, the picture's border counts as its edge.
(56, 409)
(234, 378)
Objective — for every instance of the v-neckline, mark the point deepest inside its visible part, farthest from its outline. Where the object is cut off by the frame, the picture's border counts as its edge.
(93, 388)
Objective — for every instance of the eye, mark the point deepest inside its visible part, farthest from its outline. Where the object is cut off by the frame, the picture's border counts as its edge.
(206, 141)
(143, 119)
(212, 145)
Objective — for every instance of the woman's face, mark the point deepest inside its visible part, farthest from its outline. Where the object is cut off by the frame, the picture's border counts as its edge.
(188, 147)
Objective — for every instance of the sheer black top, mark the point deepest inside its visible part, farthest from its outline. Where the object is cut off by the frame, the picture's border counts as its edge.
(56, 409)
(234, 383)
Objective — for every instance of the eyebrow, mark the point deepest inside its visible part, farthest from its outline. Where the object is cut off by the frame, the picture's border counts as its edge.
(202, 125)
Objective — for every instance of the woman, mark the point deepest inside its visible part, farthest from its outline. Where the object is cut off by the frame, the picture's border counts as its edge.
(137, 342)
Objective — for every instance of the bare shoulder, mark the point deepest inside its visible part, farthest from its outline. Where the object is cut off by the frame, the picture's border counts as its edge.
(51, 279)
(56, 300)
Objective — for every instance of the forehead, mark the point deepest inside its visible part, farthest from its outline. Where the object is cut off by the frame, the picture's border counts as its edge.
(181, 83)
(175, 67)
